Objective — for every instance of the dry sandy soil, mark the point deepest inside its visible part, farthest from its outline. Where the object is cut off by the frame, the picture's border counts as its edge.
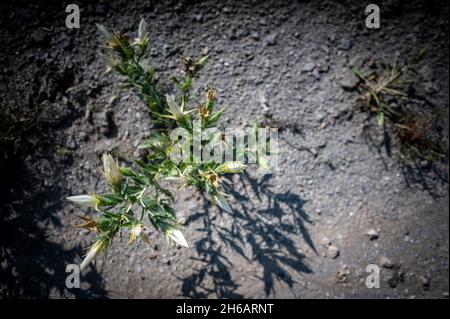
(298, 233)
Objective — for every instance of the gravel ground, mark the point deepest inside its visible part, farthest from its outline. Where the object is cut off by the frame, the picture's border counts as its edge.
(339, 201)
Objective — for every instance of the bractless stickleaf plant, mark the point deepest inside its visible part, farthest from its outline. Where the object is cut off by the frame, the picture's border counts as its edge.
(138, 200)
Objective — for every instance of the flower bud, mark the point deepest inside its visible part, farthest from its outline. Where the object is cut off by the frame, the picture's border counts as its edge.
(113, 40)
(211, 95)
(99, 246)
(213, 179)
(111, 63)
(232, 167)
(202, 61)
(89, 224)
(142, 30)
(111, 170)
(204, 112)
(223, 203)
(142, 39)
(104, 31)
(177, 236)
(173, 107)
(86, 200)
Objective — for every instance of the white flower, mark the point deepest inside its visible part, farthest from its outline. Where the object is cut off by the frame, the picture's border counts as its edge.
(112, 39)
(102, 29)
(85, 200)
(173, 107)
(111, 170)
(177, 112)
(142, 31)
(142, 38)
(93, 252)
(178, 237)
(203, 60)
(232, 167)
(111, 63)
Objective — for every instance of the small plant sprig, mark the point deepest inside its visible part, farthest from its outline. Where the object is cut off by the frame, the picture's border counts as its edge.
(388, 94)
(137, 195)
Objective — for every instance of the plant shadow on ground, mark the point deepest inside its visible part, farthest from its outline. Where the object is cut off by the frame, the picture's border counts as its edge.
(262, 236)
(31, 265)
(428, 174)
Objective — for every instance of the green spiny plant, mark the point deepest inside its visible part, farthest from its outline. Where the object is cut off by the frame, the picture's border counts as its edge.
(138, 199)
(388, 94)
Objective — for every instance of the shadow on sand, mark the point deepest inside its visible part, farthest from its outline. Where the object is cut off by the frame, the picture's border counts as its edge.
(31, 265)
(262, 230)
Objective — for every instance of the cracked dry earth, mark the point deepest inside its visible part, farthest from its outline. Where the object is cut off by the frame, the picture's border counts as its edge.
(338, 202)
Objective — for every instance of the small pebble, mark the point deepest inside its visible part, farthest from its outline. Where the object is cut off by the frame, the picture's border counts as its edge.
(373, 234)
(333, 251)
(386, 262)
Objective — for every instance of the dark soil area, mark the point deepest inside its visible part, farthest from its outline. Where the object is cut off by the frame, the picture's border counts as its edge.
(301, 232)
